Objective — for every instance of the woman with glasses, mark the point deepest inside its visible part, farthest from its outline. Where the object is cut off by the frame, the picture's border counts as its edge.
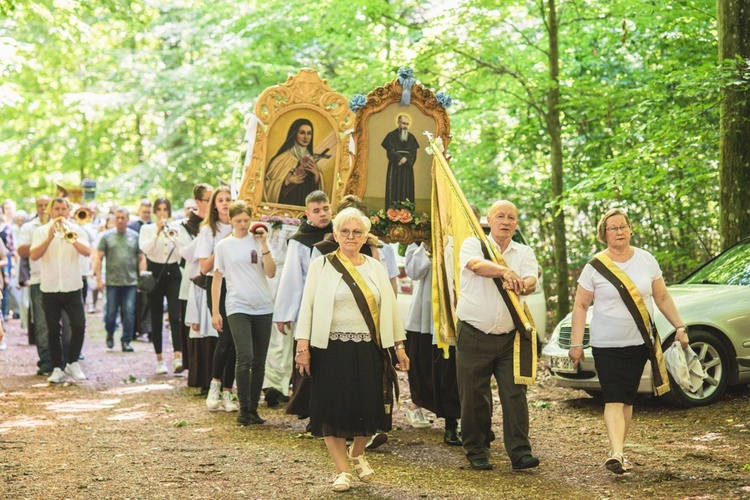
(158, 243)
(348, 322)
(624, 282)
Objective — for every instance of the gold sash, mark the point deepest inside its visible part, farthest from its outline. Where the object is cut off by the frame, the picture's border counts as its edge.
(637, 308)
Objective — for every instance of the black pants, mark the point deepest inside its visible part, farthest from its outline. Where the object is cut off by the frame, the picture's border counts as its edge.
(225, 356)
(252, 334)
(479, 357)
(168, 285)
(54, 304)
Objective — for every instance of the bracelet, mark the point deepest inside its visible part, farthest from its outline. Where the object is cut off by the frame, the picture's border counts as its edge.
(265, 253)
(678, 327)
(399, 347)
(575, 345)
(301, 351)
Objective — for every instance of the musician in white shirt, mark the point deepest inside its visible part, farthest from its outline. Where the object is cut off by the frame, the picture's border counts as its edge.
(157, 242)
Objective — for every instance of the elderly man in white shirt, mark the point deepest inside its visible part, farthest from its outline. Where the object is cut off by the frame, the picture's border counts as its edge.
(485, 337)
(61, 286)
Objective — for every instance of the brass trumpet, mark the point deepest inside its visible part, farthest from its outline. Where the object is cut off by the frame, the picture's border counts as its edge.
(171, 233)
(83, 216)
(64, 231)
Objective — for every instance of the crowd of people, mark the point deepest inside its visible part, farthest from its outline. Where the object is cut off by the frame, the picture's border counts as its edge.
(326, 336)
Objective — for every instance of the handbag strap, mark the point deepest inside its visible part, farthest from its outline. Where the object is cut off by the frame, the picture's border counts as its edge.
(158, 278)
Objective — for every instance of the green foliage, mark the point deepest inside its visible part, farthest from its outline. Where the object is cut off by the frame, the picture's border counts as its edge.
(150, 98)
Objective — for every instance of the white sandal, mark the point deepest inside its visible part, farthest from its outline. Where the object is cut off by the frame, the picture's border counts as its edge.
(615, 463)
(361, 466)
(343, 482)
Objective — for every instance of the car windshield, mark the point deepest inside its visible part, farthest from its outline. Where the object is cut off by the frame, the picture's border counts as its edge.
(729, 268)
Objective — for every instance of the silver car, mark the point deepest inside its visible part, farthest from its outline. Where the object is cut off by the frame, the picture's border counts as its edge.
(714, 302)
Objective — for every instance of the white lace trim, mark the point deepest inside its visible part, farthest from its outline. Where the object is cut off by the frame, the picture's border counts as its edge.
(350, 336)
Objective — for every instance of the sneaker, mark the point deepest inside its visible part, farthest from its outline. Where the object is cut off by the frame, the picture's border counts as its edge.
(161, 368)
(3, 345)
(74, 370)
(214, 395)
(226, 401)
(416, 419)
(126, 347)
(110, 341)
(177, 365)
(378, 439)
(57, 377)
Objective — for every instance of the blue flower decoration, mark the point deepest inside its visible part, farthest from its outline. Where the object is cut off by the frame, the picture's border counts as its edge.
(444, 99)
(406, 79)
(405, 72)
(357, 102)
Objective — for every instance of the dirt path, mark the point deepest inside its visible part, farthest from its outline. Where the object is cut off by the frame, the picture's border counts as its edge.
(153, 438)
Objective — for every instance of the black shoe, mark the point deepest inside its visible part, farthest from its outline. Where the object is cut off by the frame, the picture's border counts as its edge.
(526, 462)
(481, 464)
(110, 341)
(248, 417)
(272, 396)
(451, 438)
(43, 372)
(126, 347)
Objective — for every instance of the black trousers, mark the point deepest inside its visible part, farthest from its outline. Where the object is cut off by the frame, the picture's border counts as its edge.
(54, 304)
(479, 357)
(225, 356)
(168, 285)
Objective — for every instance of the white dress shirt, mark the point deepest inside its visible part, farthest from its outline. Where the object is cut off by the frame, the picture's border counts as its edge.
(60, 268)
(24, 238)
(479, 301)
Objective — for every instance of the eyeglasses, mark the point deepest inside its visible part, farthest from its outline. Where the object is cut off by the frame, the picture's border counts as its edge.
(614, 229)
(204, 199)
(355, 234)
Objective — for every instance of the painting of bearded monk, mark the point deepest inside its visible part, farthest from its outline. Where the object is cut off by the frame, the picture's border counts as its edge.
(401, 148)
(295, 170)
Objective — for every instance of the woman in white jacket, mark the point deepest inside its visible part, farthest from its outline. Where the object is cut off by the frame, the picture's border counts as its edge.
(348, 322)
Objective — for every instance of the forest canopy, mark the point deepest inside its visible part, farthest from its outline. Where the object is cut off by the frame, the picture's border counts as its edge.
(149, 97)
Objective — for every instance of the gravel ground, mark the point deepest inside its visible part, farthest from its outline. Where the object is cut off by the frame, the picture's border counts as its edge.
(127, 433)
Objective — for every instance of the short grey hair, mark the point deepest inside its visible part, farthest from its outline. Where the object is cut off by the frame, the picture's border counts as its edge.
(350, 214)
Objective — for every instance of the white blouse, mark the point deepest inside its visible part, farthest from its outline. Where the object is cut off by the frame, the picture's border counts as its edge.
(157, 248)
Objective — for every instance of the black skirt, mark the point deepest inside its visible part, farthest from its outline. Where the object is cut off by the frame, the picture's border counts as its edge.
(620, 370)
(347, 396)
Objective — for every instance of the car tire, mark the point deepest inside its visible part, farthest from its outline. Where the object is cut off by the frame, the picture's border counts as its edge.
(717, 364)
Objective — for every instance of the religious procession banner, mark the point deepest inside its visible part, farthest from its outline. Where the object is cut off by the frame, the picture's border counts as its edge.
(452, 223)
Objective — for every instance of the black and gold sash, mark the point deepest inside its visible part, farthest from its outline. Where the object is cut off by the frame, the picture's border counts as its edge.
(637, 308)
(368, 306)
(524, 345)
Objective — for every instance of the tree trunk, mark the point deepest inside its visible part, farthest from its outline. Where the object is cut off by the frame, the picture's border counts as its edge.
(734, 157)
(556, 167)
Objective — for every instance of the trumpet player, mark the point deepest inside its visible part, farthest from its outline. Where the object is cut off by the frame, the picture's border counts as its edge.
(58, 245)
(157, 241)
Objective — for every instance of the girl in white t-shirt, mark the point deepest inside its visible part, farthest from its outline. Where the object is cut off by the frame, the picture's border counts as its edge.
(244, 261)
(214, 228)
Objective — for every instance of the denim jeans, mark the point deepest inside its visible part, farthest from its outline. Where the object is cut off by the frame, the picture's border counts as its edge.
(251, 334)
(54, 304)
(122, 299)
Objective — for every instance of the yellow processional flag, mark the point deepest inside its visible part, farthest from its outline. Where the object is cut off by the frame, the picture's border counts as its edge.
(452, 223)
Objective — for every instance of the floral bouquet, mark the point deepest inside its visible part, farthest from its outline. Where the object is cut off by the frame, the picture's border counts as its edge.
(276, 221)
(401, 215)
